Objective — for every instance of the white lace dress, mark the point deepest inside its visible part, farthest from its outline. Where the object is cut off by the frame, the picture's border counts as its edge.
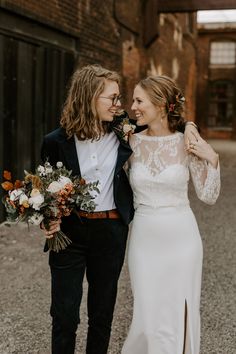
(165, 248)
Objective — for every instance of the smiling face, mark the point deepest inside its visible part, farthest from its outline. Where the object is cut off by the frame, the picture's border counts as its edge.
(106, 108)
(145, 111)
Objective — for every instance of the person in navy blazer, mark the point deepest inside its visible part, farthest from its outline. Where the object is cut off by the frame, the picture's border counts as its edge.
(94, 145)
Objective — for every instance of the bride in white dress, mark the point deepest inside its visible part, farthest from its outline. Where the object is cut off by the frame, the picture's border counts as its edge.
(165, 247)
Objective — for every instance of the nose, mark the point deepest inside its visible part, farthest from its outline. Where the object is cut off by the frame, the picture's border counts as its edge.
(133, 107)
(118, 104)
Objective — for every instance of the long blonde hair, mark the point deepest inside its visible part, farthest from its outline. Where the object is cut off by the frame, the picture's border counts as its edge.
(79, 115)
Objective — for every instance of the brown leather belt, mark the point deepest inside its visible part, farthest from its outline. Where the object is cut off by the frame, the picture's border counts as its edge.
(107, 214)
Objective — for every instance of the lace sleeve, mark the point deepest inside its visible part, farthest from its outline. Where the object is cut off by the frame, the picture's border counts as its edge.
(206, 179)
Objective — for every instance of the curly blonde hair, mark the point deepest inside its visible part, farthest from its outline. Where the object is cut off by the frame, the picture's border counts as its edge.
(163, 90)
(79, 115)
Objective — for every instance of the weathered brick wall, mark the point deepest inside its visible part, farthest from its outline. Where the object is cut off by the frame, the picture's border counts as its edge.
(111, 33)
(90, 21)
(173, 53)
(61, 14)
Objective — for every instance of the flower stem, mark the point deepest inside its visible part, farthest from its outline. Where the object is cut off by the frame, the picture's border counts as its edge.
(59, 242)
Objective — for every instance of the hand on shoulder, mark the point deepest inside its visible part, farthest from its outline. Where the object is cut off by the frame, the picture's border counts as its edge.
(191, 134)
(204, 151)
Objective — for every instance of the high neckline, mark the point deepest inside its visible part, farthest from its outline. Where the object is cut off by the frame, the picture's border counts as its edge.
(161, 137)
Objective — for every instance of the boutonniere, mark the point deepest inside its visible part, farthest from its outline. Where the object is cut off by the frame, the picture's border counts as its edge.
(123, 127)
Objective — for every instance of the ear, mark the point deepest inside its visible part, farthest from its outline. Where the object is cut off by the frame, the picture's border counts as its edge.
(162, 109)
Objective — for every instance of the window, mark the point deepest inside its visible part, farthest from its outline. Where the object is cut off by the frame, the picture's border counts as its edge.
(223, 53)
(221, 104)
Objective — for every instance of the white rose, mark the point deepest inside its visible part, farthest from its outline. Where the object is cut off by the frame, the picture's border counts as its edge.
(48, 169)
(64, 180)
(36, 201)
(54, 187)
(59, 164)
(15, 194)
(34, 192)
(36, 219)
(126, 128)
(23, 198)
(41, 170)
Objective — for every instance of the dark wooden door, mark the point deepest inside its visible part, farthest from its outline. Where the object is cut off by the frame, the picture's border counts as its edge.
(33, 79)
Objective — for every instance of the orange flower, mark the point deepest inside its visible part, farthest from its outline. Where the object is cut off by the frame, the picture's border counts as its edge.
(7, 175)
(18, 184)
(8, 186)
(82, 181)
(35, 180)
(12, 203)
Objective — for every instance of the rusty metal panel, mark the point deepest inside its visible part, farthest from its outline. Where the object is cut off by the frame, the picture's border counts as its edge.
(194, 5)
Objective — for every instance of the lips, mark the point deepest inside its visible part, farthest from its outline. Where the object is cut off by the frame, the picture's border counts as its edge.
(138, 115)
(114, 111)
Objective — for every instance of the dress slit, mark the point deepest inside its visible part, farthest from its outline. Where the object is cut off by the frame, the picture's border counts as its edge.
(185, 326)
(187, 347)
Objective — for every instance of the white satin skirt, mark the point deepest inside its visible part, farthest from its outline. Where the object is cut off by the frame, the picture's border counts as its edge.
(165, 266)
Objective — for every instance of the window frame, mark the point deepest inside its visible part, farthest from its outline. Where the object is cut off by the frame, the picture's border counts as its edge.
(222, 64)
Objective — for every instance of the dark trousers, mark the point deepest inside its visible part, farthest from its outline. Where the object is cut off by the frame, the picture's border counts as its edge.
(98, 249)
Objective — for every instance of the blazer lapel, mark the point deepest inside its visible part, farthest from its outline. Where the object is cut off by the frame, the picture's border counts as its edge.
(124, 152)
(70, 155)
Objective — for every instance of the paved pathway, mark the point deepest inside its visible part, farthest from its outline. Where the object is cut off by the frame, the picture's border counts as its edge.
(25, 292)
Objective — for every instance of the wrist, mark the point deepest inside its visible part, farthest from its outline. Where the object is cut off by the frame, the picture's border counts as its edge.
(214, 160)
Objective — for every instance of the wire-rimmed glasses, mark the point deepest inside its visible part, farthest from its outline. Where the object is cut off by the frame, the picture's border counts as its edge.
(114, 99)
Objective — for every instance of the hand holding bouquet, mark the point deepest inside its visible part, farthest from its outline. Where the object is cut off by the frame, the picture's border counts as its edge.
(47, 195)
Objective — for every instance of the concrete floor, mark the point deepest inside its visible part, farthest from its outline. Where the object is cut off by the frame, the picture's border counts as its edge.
(25, 279)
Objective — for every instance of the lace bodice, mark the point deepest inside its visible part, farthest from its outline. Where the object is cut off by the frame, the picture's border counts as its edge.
(159, 172)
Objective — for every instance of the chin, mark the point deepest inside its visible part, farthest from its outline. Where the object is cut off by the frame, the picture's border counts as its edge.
(108, 119)
(140, 123)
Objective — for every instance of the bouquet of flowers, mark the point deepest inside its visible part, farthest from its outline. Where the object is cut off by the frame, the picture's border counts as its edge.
(50, 193)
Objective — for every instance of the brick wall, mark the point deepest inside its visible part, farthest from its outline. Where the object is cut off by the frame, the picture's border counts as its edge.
(111, 33)
(90, 21)
(172, 53)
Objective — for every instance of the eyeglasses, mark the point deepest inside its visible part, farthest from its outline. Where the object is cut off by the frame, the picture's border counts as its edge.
(114, 99)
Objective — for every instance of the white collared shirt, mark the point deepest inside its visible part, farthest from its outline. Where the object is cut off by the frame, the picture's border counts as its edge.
(97, 161)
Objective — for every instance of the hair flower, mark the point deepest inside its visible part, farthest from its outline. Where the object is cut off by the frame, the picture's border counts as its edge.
(171, 107)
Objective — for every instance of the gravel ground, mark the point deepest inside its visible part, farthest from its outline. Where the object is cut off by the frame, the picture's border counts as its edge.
(25, 323)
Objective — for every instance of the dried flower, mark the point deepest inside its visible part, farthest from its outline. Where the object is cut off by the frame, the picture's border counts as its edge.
(59, 164)
(8, 186)
(7, 175)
